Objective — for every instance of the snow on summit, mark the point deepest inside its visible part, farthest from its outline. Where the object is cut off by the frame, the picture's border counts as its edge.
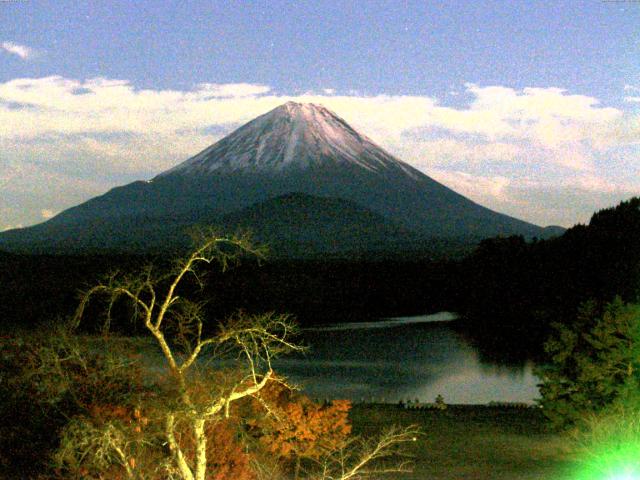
(291, 136)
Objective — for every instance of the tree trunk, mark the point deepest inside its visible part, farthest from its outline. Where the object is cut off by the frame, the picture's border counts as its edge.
(178, 456)
(201, 448)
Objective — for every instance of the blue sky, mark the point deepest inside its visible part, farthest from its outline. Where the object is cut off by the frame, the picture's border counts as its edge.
(530, 108)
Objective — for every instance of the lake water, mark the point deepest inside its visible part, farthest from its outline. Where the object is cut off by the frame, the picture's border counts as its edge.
(403, 358)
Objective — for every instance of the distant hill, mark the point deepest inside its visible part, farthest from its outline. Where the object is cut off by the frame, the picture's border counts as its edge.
(298, 225)
(552, 231)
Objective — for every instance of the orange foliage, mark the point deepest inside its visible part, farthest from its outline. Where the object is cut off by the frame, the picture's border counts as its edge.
(226, 459)
(299, 427)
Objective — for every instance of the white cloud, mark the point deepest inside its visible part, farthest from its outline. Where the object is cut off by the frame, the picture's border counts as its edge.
(94, 134)
(217, 90)
(477, 187)
(21, 51)
(548, 117)
(593, 183)
(456, 153)
(632, 98)
(46, 213)
(329, 91)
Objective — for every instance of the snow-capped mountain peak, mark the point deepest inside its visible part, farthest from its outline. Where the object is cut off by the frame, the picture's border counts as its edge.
(293, 135)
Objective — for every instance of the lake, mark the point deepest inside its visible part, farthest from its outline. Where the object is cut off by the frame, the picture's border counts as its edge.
(403, 358)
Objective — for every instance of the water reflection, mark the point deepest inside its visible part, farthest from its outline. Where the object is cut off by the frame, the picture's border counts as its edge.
(404, 358)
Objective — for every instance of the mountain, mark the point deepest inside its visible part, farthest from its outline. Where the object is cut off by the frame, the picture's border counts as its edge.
(552, 231)
(296, 147)
(298, 224)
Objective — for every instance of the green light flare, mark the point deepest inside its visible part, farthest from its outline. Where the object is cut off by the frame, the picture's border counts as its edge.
(624, 476)
(621, 461)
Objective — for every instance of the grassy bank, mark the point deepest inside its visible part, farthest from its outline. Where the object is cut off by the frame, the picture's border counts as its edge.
(474, 442)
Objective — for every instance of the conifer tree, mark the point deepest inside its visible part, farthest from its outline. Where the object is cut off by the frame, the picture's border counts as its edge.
(594, 361)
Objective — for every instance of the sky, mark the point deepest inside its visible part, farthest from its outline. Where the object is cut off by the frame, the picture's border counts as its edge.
(529, 108)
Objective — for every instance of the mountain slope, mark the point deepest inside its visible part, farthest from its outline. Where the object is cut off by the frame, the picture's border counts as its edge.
(293, 136)
(294, 148)
(298, 224)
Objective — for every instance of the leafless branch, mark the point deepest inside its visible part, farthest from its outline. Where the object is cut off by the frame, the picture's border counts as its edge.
(360, 458)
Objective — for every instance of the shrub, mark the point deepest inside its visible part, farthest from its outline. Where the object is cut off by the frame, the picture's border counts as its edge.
(295, 428)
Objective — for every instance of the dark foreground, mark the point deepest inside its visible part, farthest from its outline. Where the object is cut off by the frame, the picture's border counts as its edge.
(474, 442)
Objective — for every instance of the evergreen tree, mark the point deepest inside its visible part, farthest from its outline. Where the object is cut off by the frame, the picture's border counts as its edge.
(593, 362)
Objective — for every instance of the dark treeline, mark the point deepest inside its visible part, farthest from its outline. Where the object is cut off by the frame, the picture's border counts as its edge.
(337, 290)
(514, 289)
(40, 289)
(509, 290)
(36, 289)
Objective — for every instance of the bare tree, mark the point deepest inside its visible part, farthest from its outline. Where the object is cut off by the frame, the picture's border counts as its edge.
(177, 326)
(258, 339)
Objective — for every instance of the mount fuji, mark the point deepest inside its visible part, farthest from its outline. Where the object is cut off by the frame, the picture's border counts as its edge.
(300, 164)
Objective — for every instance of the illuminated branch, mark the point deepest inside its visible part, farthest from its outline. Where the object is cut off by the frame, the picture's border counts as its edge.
(259, 338)
(360, 459)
